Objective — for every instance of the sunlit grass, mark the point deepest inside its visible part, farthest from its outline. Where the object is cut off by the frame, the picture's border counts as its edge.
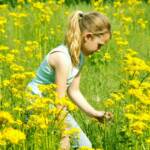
(115, 79)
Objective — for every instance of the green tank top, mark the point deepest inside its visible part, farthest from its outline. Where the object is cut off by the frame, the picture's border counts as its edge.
(46, 74)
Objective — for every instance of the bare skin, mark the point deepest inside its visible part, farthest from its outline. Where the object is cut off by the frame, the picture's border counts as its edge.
(65, 143)
(59, 63)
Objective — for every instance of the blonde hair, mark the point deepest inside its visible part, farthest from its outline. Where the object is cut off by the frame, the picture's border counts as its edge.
(78, 23)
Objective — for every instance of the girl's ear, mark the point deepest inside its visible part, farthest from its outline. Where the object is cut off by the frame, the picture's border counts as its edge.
(88, 36)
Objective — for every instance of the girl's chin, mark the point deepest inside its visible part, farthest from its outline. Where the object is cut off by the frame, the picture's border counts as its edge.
(89, 53)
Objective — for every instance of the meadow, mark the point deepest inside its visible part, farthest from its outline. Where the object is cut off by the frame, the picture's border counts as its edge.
(115, 79)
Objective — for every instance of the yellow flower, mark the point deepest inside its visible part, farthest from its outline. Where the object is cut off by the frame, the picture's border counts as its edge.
(133, 64)
(6, 104)
(3, 21)
(66, 13)
(2, 58)
(10, 58)
(48, 90)
(2, 141)
(20, 1)
(17, 77)
(97, 3)
(14, 136)
(15, 51)
(127, 19)
(60, 2)
(85, 148)
(4, 48)
(18, 109)
(31, 46)
(117, 96)
(108, 102)
(144, 117)
(117, 4)
(18, 15)
(6, 83)
(4, 6)
(30, 1)
(18, 122)
(135, 2)
(129, 108)
(116, 33)
(45, 17)
(16, 68)
(148, 140)
(38, 121)
(139, 93)
(106, 57)
(142, 23)
(134, 83)
(38, 5)
(138, 127)
(135, 92)
(29, 74)
(6, 118)
(121, 42)
(40, 104)
(52, 31)
(130, 116)
(72, 131)
(145, 85)
(16, 92)
(66, 103)
(132, 52)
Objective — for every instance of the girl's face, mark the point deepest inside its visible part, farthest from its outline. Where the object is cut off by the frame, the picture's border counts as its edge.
(92, 42)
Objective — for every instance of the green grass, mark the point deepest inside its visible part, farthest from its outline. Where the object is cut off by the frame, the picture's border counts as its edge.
(99, 78)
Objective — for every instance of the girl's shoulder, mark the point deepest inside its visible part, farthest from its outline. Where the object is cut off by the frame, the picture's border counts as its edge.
(61, 48)
(59, 56)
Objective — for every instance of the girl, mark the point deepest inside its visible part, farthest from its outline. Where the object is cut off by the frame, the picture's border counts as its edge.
(86, 33)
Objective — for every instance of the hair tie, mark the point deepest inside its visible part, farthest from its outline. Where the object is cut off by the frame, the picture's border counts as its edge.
(81, 14)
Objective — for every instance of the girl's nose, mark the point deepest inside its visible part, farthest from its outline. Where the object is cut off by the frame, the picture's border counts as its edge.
(106, 38)
(102, 42)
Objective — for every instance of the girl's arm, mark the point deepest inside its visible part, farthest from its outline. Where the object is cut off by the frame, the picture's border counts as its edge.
(77, 97)
(60, 65)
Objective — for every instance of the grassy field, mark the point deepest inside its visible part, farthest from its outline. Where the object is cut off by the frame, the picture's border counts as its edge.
(115, 79)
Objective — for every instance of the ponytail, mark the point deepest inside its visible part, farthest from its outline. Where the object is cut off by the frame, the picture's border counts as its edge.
(73, 37)
(79, 22)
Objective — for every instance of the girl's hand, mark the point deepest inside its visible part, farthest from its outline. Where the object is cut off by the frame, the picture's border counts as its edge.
(102, 115)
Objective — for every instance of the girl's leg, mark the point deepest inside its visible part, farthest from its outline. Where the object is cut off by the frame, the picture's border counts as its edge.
(65, 141)
(82, 140)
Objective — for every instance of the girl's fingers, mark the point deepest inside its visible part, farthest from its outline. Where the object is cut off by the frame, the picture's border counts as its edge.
(108, 115)
(104, 116)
